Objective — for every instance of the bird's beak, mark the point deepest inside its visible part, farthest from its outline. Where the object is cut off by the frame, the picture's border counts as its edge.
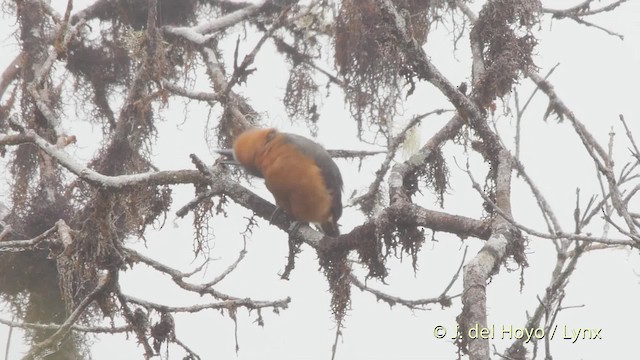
(228, 157)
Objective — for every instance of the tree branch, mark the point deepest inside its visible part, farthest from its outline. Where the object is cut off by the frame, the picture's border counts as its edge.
(79, 328)
(53, 341)
(205, 31)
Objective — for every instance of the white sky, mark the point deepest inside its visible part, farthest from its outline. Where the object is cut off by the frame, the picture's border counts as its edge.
(597, 78)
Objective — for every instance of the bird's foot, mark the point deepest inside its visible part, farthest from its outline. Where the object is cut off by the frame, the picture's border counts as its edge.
(274, 214)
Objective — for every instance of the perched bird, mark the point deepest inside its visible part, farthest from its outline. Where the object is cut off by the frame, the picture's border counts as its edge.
(304, 180)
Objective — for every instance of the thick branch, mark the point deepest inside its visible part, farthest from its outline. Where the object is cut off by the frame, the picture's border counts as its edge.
(411, 215)
(201, 33)
(98, 179)
(17, 245)
(486, 263)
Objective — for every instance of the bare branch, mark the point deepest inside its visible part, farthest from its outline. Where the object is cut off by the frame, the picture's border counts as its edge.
(544, 206)
(636, 151)
(530, 231)
(19, 245)
(393, 300)
(348, 154)
(580, 20)
(178, 278)
(216, 73)
(191, 353)
(520, 111)
(457, 274)
(54, 340)
(195, 95)
(227, 271)
(486, 262)
(44, 69)
(14, 139)
(227, 304)
(583, 9)
(600, 157)
(95, 178)
(309, 61)
(140, 329)
(241, 72)
(79, 328)
(205, 31)
(553, 293)
(443, 299)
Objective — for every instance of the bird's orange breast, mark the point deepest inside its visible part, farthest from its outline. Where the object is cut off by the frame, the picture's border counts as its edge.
(296, 182)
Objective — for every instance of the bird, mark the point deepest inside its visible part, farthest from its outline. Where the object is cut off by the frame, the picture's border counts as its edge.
(300, 174)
